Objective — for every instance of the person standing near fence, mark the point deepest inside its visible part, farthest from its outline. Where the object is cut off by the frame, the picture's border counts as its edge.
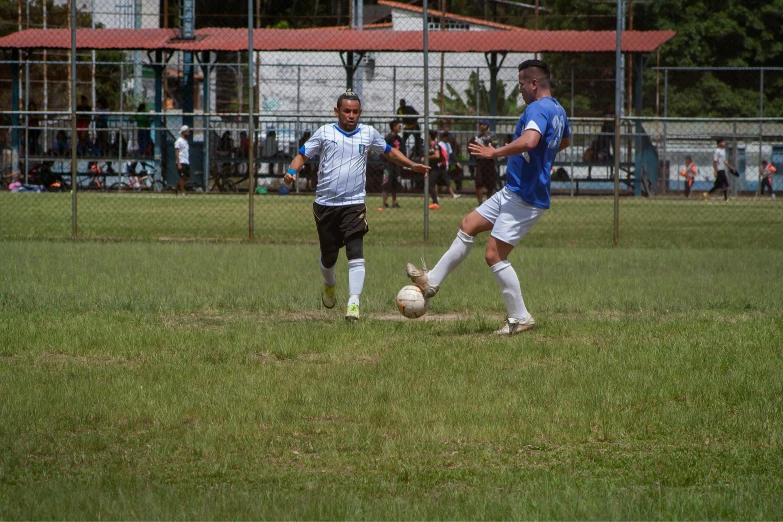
(182, 153)
(391, 171)
(689, 173)
(486, 169)
(542, 131)
(339, 209)
(767, 170)
(719, 165)
(411, 125)
(143, 128)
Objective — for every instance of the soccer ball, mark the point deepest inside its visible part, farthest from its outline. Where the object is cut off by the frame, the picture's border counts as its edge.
(411, 302)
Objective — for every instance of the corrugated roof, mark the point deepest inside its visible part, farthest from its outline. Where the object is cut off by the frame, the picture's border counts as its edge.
(135, 39)
(224, 39)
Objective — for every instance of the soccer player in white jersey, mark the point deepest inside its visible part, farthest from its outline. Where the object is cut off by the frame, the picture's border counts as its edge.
(339, 210)
(542, 132)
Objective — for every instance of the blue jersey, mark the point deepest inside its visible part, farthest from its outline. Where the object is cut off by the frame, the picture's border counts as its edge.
(528, 174)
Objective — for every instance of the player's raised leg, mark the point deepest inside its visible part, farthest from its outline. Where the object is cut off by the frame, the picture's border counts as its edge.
(430, 281)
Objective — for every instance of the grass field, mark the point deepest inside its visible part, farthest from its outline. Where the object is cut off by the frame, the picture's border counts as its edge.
(571, 221)
(146, 380)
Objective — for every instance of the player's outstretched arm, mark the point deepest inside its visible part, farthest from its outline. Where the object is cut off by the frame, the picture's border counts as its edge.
(524, 143)
(400, 159)
(296, 165)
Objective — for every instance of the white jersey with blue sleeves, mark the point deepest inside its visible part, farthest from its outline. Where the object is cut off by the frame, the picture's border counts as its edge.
(343, 165)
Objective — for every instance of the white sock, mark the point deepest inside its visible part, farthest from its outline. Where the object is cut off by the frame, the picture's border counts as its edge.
(455, 255)
(328, 274)
(355, 279)
(512, 292)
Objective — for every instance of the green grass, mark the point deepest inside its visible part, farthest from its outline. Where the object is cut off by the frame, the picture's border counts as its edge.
(144, 380)
(585, 222)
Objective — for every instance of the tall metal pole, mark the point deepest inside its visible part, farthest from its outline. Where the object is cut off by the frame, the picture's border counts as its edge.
(426, 130)
(761, 129)
(250, 123)
(665, 115)
(571, 149)
(618, 108)
(74, 162)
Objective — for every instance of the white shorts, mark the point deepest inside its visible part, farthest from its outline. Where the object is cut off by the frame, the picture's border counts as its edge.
(512, 218)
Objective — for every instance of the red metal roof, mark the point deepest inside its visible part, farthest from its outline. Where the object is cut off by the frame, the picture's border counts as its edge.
(225, 39)
(136, 39)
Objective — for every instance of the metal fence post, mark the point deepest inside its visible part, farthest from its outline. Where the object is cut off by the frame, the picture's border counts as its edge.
(250, 124)
(761, 128)
(74, 161)
(426, 131)
(618, 107)
(571, 149)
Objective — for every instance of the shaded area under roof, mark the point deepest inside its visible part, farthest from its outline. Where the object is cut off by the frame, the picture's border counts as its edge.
(229, 39)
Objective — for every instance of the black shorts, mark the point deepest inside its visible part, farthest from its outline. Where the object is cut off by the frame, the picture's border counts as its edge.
(184, 170)
(391, 179)
(440, 177)
(486, 174)
(337, 224)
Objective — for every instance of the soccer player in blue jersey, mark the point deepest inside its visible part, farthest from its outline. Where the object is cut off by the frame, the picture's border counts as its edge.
(339, 209)
(542, 131)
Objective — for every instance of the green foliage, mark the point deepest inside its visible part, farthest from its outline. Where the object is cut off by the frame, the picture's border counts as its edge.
(477, 95)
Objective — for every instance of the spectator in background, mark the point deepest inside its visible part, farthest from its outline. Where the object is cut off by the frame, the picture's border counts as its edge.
(605, 142)
(444, 180)
(33, 130)
(102, 126)
(767, 170)
(269, 148)
(455, 167)
(182, 154)
(719, 165)
(82, 120)
(436, 161)
(242, 152)
(689, 174)
(392, 171)
(225, 145)
(411, 124)
(143, 132)
(486, 170)
(62, 144)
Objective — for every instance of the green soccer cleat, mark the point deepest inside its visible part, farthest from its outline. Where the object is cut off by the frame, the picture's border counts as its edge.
(352, 313)
(328, 297)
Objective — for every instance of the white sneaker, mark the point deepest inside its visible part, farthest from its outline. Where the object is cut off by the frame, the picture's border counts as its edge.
(456, 196)
(328, 297)
(515, 326)
(420, 278)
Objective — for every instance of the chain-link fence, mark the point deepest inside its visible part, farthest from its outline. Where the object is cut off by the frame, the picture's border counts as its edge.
(89, 138)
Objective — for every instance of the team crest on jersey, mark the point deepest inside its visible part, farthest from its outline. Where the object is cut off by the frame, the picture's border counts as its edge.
(361, 148)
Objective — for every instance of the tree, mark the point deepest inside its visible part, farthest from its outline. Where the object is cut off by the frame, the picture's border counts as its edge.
(454, 104)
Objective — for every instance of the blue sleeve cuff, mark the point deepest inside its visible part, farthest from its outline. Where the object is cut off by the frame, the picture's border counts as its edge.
(388, 149)
(302, 151)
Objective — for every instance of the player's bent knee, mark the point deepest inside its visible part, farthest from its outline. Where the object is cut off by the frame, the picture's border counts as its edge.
(354, 248)
(329, 259)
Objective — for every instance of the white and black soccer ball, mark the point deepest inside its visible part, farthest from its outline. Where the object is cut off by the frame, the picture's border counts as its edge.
(411, 302)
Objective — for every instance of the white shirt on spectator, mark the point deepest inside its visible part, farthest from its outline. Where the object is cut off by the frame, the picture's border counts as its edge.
(183, 147)
(720, 159)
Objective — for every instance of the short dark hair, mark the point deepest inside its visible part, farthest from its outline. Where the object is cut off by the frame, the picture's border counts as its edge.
(433, 134)
(718, 140)
(348, 95)
(542, 66)
(393, 124)
(764, 162)
(538, 64)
